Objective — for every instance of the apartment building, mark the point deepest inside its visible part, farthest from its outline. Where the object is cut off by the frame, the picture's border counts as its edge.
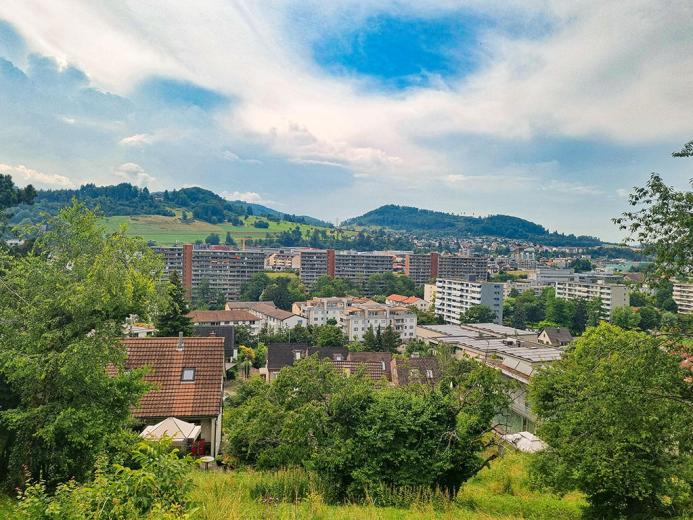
(225, 269)
(454, 296)
(422, 268)
(357, 319)
(683, 296)
(269, 314)
(544, 276)
(613, 296)
(319, 311)
(356, 267)
(283, 261)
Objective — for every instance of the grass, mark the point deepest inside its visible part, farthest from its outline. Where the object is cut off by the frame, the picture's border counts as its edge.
(169, 230)
(497, 493)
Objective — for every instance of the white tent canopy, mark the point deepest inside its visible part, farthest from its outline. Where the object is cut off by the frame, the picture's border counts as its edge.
(525, 441)
(175, 429)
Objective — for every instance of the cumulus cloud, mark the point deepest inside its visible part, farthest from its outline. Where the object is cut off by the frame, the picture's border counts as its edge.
(23, 175)
(246, 196)
(134, 174)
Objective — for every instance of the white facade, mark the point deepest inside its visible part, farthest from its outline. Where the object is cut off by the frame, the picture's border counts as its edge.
(454, 297)
(683, 296)
(550, 276)
(613, 296)
(359, 318)
(430, 292)
(319, 311)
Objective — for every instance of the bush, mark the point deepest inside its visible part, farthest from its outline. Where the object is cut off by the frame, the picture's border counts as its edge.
(155, 484)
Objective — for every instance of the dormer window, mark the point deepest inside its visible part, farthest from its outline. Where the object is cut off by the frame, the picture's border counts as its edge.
(297, 355)
(188, 375)
(338, 357)
(429, 373)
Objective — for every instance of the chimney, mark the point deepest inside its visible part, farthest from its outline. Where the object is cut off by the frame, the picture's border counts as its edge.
(180, 345)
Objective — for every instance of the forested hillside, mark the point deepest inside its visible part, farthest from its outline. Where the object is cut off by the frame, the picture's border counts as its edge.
(406, 218)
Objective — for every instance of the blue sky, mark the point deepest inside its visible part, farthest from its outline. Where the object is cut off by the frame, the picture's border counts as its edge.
(547, 110)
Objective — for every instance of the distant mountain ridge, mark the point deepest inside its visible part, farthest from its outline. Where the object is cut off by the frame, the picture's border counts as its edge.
(126, 199)
(429, 222)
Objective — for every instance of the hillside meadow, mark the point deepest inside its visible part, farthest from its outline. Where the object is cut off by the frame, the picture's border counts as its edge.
(169, 230)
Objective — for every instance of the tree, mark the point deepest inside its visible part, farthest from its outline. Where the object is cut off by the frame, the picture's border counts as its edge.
(625, 317)
(390, 339)
(650, 317)
(478, 314)
(369, 340)
(253, 288)
(10, 195)
(62, 308)
(662, 221)
(213, 239)
(229, 241)
(615, 412)
(329, 336)
(579, 317)
(581, 265)
(174, 319)
(594, 312)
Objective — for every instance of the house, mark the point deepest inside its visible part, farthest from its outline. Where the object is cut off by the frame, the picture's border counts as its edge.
(421, 370)
(555, 336)
(358, 318)
(225, 332)
(378, 366)
(269, 314)
(227, 318)
(280, 355)
(407, 301)
(188, 378)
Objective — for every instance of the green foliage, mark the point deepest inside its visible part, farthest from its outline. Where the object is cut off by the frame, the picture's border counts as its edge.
(478, 314)
(427, 317)
(282, 290)
(390, 283)
(381, 340)
(154, 484)
(615, 412)
(404, 218)
(362, 440)
(327, 286)
(329, 336)
(662, 220)
(213, 239)
(207, 298)
(581, 265)
(173, 319)
(10, 195)
(626, 318)
(62, 309)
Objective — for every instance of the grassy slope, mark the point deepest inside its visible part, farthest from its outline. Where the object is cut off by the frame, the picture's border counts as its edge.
(498, 493)
(169, 230)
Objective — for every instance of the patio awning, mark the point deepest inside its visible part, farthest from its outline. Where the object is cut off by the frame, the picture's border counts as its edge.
(175, 429)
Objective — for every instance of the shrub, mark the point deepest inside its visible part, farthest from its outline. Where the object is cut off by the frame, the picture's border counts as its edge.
(156, 484)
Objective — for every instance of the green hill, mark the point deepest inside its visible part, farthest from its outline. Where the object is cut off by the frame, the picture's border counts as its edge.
(428, 222)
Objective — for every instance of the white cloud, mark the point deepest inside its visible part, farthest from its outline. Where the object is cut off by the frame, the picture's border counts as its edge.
(234, 157)
(134, 174)
(246, 196)
(23, 175)
(137, 140)
(619, 70)
(570, 188)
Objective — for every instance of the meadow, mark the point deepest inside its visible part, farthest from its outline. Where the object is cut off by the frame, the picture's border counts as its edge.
(169, 230)
(500, 492)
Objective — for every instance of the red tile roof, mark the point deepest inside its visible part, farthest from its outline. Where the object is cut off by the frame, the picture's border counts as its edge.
(217, 316)
(406, 300)
(172, 397)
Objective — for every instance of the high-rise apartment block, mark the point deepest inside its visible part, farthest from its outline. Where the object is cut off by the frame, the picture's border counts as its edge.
(683, 296)
(422, 268)
(456, 295)
(356, 267)
(612, 296)
(224, 269)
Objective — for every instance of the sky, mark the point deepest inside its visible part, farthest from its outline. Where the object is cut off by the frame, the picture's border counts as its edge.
(546, 110)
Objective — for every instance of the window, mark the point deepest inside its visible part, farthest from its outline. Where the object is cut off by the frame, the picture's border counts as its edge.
(297, 355)
(337, 357)
(188, 374)
(429, 373)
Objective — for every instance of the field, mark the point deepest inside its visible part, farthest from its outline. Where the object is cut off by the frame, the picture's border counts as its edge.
(169, 230)
(501, 492)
